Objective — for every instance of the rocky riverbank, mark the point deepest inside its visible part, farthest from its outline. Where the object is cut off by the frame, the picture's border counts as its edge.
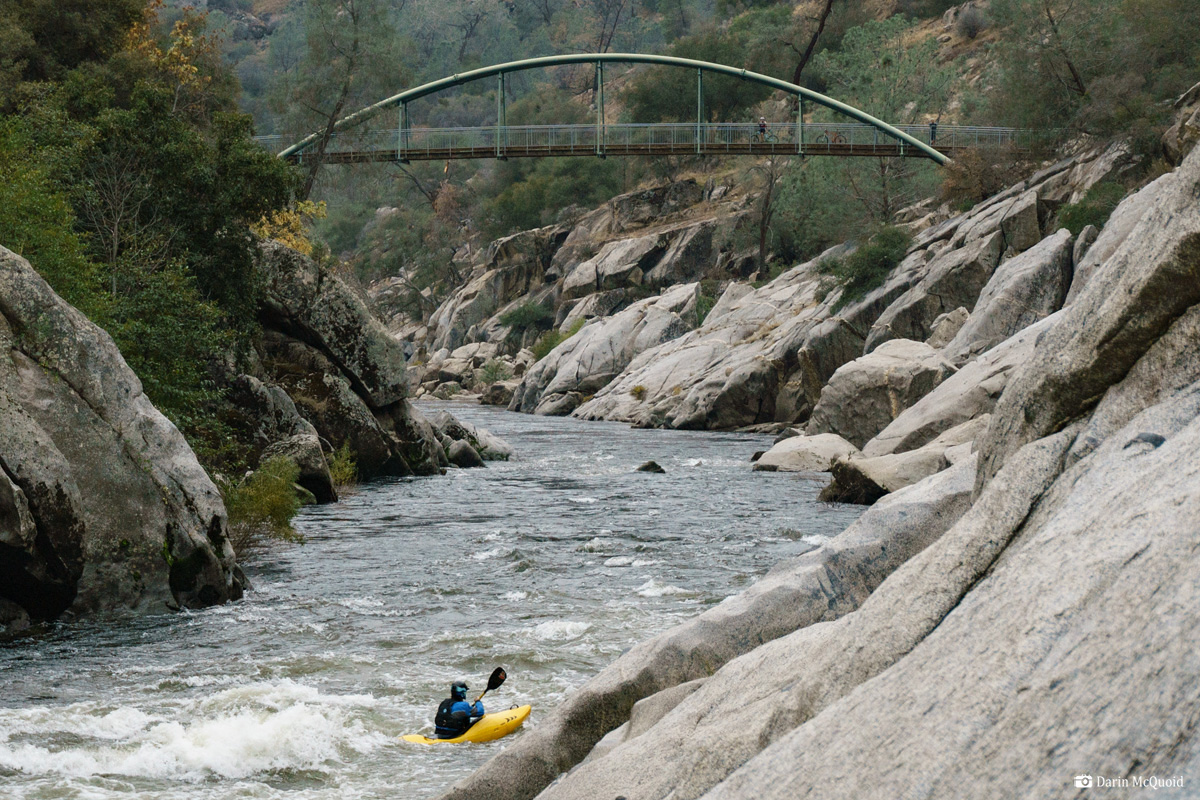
(1017, 608)
(103, 504)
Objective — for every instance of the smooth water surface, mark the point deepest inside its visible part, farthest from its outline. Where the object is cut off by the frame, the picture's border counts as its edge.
(551, 565)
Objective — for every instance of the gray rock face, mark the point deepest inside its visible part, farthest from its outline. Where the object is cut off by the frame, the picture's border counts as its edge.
(864, 479)
(761, 696)
(864, 396)
(341, 368)
(1064, 660)
(1120, 224)
(955, 278)
(1128, 303)
(726, 373)
(947, 326)
(805, 453)
(461, 454)
(1183, 135)
(821, 585)
(620, 263)
(489, 446)
(968, 394)
(591, 358)
(103, 503)
(1023, 290)
(302, 301)
(305, 450)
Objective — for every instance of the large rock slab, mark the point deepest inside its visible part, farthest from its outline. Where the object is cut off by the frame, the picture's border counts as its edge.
(1065, 659)
(864, 396)
(725, 374)
(805, 454)
(954, 278)
(1130, 301)
(824, 584)
(300, 299)
(1171, 364)
(1021, 291)
(970, 393)
(864, 479)
(591, 358)
(619, 263)
(105, 505)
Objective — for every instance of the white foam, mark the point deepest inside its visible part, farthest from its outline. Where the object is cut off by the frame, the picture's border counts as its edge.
(486, 554)
(233, 734)
(619, 561)
(815, 539)
(560, 629)
(515, 596)
(653, 588)
(645, 562)
(584, 500)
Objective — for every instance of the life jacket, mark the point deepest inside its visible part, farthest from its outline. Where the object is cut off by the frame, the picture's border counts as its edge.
(449, 723)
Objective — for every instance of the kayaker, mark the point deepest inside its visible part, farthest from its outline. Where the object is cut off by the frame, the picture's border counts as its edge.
(455, 715)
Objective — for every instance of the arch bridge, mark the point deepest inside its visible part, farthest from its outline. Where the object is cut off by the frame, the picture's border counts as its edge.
(862, 135)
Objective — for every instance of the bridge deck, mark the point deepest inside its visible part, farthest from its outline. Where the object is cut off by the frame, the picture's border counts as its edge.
(658, 139)
(447, 154)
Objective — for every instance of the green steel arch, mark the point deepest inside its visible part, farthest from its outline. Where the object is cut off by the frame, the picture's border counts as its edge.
(433, 87)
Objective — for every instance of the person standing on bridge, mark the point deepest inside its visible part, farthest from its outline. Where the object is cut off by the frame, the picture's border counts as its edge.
(762, 129)
(933, 132)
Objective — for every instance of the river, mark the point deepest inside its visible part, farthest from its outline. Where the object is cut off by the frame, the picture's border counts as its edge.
(551, 565)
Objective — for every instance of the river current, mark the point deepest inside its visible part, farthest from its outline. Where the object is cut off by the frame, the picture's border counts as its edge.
(551, 565)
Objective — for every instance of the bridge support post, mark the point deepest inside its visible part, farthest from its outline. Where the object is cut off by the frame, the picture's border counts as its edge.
(402, 135)
(600, 109)
(699, 111)
(501, 119)
(800, 127)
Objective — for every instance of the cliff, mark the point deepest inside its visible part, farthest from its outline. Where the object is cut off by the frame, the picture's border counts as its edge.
(102, 502)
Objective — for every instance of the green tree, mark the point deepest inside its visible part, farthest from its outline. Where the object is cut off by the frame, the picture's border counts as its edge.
(345, 59)
(882, 70)
(669, 93)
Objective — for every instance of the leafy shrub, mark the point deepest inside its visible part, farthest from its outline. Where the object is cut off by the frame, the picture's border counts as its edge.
(976, 174)
(971, 22)
(529, 315)
(494, 371)
(342, 467)
(262, 506)
(704, 304)
(638, 392)
(1094, 209)
(868, 266)
(552, 339)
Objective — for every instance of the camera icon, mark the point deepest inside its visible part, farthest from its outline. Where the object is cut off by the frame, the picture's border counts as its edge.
(1083, 781)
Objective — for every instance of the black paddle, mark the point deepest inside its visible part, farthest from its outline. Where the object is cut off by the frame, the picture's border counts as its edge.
(498, 677)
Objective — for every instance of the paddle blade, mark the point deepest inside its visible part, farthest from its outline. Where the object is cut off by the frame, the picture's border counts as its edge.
(498, 677)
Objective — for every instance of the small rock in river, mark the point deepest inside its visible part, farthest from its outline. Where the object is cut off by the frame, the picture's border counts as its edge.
(651, 466)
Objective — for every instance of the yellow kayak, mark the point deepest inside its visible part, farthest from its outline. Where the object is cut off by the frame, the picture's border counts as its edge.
(489, 727)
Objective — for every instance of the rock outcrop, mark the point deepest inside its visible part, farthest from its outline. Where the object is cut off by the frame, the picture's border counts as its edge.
(340, 367)
(863, 397)
(102, 503)
(586, 362)
(765, 354)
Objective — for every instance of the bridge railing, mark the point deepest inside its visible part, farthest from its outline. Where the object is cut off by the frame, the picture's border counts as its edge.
(630, 138)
